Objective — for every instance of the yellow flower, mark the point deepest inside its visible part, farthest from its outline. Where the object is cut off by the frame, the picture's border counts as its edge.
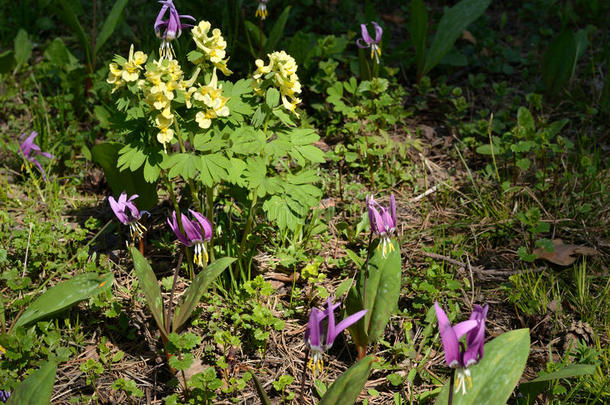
(284, 68)
(165, 136)
(213, 46)
(210, 97)
(132, 67)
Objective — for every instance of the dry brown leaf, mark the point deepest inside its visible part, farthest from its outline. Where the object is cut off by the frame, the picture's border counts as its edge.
(563, 254)
(467, 35)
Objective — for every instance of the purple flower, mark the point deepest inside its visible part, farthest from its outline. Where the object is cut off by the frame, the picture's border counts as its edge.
(127, 212)
(4, 395)
(368, 41)
(382, 221)
(455, 354)
(170, 28)
(318, 341)
(197, 231)
(29, 150)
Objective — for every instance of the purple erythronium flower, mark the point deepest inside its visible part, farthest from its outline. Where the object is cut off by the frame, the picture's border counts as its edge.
(455, 354)
(318, 341)
(170, 28)
(198, 231)
(382, 221)
(4, 395)
(29, 150)
(367, 42)
(127, 212)
(261, 11)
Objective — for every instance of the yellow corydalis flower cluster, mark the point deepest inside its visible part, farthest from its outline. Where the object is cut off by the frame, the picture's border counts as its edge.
(124, 71)
(212, 102)
(213, 47)
(163, 81)
(281, 73)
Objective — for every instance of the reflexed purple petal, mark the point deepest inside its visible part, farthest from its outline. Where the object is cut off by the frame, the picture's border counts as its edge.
(173, 224)
(159, 21)
(39, 166)
(393, 209)
(475, 338)
(312, 333)
(330, 330)
(349, 321)
(448, 337)
(47, 155)
(359, 43)
(365, 34)
(193, 233)
(378, 32)
(118, 209)
(187, 16)
(205, 223)
(464, 327)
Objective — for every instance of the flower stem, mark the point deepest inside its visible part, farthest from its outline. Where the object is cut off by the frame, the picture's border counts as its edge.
(172, 197)
(210, 216)
(451, 382)
(304, 377)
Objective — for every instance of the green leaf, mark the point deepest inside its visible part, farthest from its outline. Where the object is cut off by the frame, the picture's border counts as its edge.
(254, 34)
(7, 60)
(64, 295)
(260, 390)
(523, 164)
(69, 17)
(382, 293)
(110, 24)
(454, 21)
(272, 97)
(558, 62)
(540, 384)
(496, 375)
(526, 121)
(107, 155)
(23, 48)
(150, 288)
(277, 31)
(345, 390)
(37, 388)
(418, 28)
(185, 165)
(213, 168)
(193, 294)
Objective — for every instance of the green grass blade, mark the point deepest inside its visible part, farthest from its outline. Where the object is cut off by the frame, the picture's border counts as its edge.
(193, 294)
(536, 386)
(37, 388)
(110, 24)
(496, 375)
(454, 21)
(64, 295)
(150, 288)
(345, 390)
(70, 18)
(277, 32)
(418, 29)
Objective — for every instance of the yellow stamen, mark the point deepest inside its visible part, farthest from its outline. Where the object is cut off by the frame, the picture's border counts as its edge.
(315, 364)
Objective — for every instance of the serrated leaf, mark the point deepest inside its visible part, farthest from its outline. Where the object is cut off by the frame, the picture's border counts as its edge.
(110, 24)
(523, 164)
(150, 288)
(345, 390)
(213, 168)
(453, 22)
(193, 294)
(525, 120)
(184, 165)
(496, 375)
(63, 296)
(255, 172)
(37, 388)
(247, 140)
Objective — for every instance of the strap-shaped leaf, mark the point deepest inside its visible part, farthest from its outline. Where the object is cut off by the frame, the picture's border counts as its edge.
(37, 388)
(454, 21)
(193, 294)
(536, 386)
(418, 28)
(110, 24)
(70, 18)
(496, 375)
(382, 293)
(64, 295)
(277, 31)
(345, 390)
(150, 288)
